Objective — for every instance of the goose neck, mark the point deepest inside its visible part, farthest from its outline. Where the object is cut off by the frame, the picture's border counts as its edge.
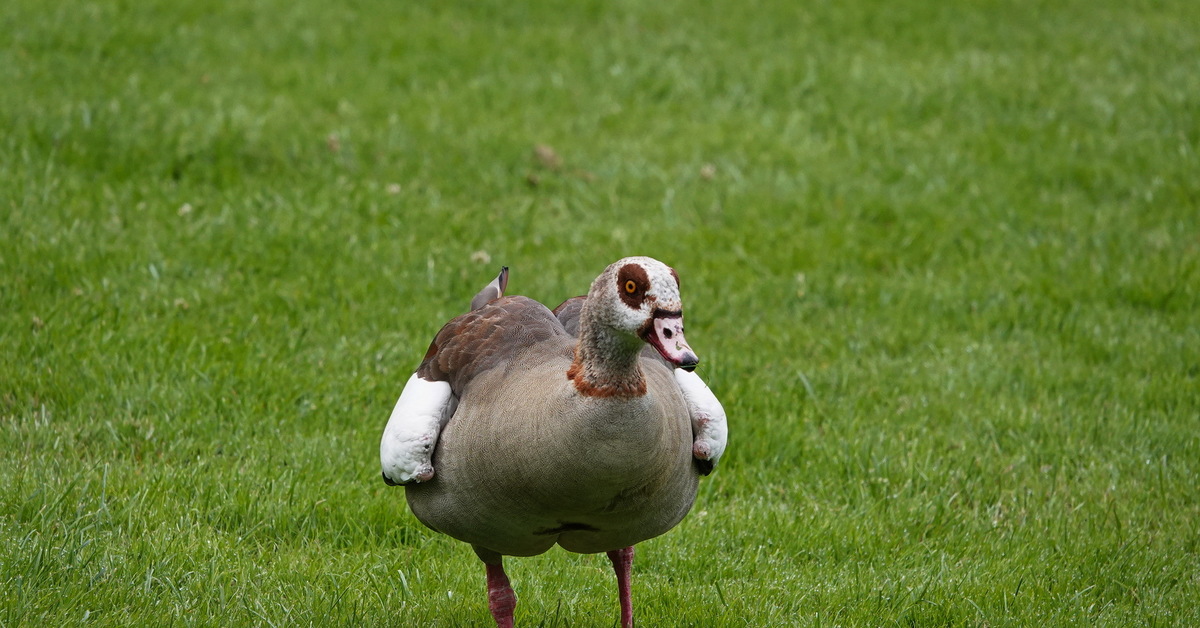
(606, 362)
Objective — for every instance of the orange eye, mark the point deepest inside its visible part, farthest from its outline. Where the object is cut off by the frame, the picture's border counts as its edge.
(630, 286)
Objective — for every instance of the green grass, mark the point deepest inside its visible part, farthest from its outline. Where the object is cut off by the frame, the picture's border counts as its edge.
(941, 261)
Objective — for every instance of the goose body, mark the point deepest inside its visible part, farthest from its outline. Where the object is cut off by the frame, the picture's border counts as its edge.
(525, 428)
(528, 462)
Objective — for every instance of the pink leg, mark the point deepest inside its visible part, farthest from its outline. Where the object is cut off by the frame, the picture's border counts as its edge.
(622, 561)
(501, 599)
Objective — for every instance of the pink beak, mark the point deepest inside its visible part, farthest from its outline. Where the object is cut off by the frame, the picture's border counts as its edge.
(666, 336)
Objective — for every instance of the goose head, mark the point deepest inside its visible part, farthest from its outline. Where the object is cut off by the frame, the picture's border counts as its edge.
(634, 301)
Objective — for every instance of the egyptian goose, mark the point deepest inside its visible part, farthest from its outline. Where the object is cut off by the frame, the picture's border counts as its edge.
(525, 428)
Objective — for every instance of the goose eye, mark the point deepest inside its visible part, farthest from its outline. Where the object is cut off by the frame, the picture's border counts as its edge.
(630, 287)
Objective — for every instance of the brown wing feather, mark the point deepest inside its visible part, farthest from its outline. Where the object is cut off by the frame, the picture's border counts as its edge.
(488, 338)
(568, 312)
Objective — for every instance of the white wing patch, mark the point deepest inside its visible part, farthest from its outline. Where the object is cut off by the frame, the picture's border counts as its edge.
(708, 417)
(412, 431)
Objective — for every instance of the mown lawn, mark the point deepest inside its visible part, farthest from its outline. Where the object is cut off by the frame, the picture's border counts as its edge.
(941, 262)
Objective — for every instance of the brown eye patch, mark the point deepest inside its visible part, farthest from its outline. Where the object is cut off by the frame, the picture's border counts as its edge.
(632, 284)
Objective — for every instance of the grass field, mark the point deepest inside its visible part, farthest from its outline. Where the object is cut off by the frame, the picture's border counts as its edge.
(941, 262)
